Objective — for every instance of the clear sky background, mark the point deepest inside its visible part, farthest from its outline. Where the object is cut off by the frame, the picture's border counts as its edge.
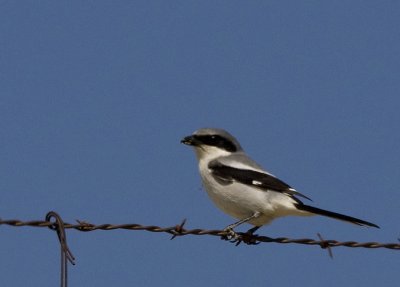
(96, 95)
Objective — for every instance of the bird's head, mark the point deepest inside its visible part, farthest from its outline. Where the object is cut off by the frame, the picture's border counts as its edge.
(212, 143)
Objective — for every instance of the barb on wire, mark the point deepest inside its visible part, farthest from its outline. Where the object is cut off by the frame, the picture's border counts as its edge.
(179, 230)
(325, 245)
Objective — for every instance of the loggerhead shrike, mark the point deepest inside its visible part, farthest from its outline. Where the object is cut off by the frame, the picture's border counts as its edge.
(242, 189)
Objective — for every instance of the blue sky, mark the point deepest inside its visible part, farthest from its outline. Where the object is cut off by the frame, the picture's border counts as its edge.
(96, 95)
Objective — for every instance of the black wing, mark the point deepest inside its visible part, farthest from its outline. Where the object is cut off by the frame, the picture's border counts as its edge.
(258, 179)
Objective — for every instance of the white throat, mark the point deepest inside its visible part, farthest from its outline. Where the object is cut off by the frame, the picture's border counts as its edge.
(208, 153)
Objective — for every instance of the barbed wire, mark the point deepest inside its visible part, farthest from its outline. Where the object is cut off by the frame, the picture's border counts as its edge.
(177, 230)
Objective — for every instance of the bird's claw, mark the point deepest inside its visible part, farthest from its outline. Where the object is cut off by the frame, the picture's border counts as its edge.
(231, 236)
(248, 238)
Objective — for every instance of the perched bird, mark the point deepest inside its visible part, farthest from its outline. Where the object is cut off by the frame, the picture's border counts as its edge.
(243, 189)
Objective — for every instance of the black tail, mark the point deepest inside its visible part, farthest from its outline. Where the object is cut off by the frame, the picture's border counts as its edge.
(335, 215)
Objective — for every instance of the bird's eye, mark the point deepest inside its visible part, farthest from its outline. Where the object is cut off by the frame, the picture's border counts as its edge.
(217, 141)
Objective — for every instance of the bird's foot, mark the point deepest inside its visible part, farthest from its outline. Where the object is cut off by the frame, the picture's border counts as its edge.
(247, 238)
(229, 234)
(232, 236)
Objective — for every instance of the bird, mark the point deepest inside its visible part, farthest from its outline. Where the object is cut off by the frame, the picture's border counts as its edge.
(241, 188)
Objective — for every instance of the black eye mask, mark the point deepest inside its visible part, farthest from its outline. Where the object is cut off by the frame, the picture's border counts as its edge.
(217, 141)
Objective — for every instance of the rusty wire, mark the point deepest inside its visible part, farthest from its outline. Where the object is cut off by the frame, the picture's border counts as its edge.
(179, 230)
(66, 254)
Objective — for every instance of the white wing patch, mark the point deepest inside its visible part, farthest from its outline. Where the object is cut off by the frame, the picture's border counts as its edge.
(256, 182)
(240, 165)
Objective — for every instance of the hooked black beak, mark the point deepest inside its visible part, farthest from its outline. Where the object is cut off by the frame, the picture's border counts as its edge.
(190, 140)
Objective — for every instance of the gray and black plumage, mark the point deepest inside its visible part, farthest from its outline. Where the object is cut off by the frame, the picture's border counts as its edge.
(244, 190)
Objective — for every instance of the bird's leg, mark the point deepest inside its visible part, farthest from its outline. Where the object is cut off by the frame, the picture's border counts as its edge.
(232, 235)
(236, 224)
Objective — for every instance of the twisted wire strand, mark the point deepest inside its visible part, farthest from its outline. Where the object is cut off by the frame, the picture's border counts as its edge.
(179, 230)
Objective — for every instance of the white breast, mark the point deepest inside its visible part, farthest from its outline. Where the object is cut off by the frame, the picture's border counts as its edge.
(241, 201)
